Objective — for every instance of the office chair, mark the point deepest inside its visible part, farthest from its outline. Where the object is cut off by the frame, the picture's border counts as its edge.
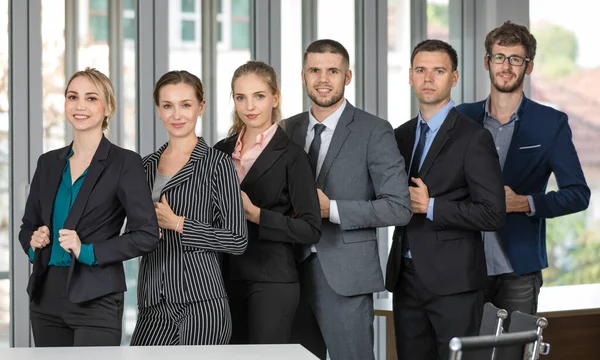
(524, 322)
(491, 324)
(459, 347)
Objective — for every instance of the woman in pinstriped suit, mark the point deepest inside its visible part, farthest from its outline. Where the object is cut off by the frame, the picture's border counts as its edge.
(181, 297)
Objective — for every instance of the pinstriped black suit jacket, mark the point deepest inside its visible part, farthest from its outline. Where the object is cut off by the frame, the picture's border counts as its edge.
(185, 267)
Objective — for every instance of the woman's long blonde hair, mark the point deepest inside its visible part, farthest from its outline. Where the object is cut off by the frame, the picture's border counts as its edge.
(265, 72)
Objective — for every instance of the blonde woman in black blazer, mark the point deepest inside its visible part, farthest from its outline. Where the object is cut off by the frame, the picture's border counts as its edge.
(281, 205)
(78, 200)
(181, 296)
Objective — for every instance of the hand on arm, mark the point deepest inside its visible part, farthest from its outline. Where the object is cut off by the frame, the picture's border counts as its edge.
(515, 202)
(419, 196)
(252, 211)
(324, 204)
(166, 217)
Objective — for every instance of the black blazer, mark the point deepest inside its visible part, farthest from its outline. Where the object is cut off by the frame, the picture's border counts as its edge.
(281, 183)
(114, 188)
(462, 172)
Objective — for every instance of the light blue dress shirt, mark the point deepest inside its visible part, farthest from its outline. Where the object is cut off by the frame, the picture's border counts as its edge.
(435, 123)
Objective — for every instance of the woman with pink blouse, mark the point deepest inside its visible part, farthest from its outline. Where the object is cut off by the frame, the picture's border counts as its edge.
(281, 206)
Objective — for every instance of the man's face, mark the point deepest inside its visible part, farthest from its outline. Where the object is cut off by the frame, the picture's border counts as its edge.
(431, 77)
(505, 77)
(325, 75)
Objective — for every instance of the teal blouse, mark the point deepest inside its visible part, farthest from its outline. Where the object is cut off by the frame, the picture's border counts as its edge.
(65, 197)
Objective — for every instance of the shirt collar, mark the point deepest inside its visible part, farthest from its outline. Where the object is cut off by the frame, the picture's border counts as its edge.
(514, 116)
(330, 122)
(260, 138)
(438, 118)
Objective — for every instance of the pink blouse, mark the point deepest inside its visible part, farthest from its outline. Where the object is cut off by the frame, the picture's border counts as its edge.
(244, 163)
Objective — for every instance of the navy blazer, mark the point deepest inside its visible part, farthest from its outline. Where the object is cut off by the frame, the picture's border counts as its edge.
(114, 187)
(541, 145)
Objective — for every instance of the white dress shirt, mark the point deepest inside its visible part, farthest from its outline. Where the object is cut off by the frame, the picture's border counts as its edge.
(330, 123)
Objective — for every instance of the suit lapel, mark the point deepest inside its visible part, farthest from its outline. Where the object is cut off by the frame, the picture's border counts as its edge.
(52, 183)
(438, 143)
(151, 164)
(97, 166)
(271, 153)
(339, 138)
(184, 175)
(300, 130)
(407, 143)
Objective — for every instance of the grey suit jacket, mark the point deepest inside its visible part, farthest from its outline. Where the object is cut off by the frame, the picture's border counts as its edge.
(364, 172)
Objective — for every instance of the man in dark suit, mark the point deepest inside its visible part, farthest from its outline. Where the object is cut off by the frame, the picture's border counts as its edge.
(360, 181)
(436, 267)
(532, 141)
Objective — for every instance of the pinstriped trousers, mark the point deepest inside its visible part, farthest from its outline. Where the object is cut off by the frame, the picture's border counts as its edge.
(199, 323)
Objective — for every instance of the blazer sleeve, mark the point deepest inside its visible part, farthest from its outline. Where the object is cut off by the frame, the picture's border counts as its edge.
(32, 217)
(573, 194)
(228, 232)
(141, 234)
(391, 206)
(305, 226)
(485, 208)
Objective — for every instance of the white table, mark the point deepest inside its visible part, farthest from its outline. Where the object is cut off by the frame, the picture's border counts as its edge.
(229, 352)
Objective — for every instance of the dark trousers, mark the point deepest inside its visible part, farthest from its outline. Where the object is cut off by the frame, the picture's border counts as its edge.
(262, 312)
(56, 321)
(425, 323)
(514, 292)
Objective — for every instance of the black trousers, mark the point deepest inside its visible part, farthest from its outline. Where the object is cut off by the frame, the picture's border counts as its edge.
(56, 321)
(425, 323)
(262, 312)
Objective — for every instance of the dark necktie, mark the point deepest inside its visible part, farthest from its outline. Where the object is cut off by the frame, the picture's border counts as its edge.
(414, 171)
(416, 160)
(315, 146)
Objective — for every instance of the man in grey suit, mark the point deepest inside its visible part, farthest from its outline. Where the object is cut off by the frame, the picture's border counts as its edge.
(361, 184)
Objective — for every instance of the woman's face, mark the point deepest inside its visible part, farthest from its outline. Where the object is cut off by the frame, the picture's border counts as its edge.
(254, 101)
(84, 107)
(179, 109)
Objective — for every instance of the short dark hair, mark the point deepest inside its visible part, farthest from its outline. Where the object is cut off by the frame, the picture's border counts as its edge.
(178, 77)
(434, 45)
(327, 46)
(511, 34)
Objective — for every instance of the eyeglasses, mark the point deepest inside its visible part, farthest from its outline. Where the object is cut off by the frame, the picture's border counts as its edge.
(513, 60)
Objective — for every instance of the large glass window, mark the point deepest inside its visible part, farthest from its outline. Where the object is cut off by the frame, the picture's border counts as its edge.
(291, 58)
(93, 38)
(53, 73)
(337, 21)
(399, 92)
(185, 42)
(566, 76)
(230, 55)
(129, 130)
(5, 316)
(438, 20)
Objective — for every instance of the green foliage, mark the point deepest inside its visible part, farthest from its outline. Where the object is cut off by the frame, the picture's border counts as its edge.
(573, 251)
(557, 50)
(438, 14)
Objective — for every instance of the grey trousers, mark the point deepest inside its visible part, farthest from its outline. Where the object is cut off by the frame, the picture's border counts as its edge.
(329, 322)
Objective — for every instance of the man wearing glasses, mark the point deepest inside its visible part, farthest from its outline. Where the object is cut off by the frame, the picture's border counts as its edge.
(532, 141)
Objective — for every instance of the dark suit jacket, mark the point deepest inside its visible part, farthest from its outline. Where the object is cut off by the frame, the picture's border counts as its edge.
(462, 172)
(114, 188)
(541, 144)
(280, 182)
